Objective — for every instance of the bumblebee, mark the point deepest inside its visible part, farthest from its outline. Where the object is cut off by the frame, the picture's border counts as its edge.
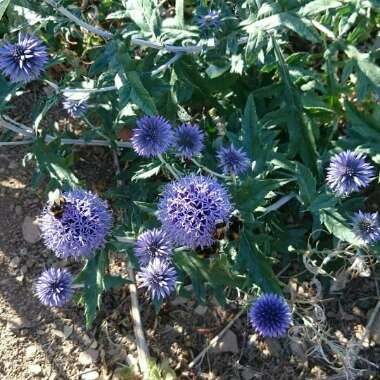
(230, 231)
(236, 224)
(221, 229)
(58, 202)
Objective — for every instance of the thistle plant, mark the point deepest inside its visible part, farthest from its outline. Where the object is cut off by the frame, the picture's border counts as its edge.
(190, 206)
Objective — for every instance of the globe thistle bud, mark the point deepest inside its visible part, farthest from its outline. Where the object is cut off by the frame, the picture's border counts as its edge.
(75, 108)
(25, 60)
(158, 277)
(270, 315)
(190, 209)
(75, 224)
(152, 137)
(153, 244)
(54, 287)
(349, 172)
(366, 227)
(233, 160)
(188, 140)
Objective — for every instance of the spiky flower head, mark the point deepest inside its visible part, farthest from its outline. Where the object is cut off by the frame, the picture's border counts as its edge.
(153, 244)
(349, 172)
(270, 315)
(75, 108)
(159, 277)
(188, 140)
(25, 60)
(233, 160)
(76, 224)
(209, 21)
(53, 287)
(153, 136)
(191, 207)
(366, 226)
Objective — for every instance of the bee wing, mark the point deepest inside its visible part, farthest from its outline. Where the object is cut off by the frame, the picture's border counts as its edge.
(53, 195)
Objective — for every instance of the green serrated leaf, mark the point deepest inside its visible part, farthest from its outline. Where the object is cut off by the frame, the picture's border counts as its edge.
(306, 183)
(251, 260)
(250, 127)
(318, 6)
(300, 134)
(3, 7)
(368, 68)
(337, 225)
(139, 94)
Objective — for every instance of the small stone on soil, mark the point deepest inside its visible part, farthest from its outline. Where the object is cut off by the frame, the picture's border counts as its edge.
(88, 357)
(30, 351)
(228, 343)
(92, 375)
(35, 369)
(30, 230)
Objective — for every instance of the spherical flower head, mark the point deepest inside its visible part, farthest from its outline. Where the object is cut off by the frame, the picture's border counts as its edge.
(188, 140)
(53, 287)
(159, 277)
(191, 207)
(153, 244)
(270, 315)
(75, 108)
(79, 228)
(25, 60)
(349, 172)
(233, 160)
(209, 21)
(366, 227)
(152, 137)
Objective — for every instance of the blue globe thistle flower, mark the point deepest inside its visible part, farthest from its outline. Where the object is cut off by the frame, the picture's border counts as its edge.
(53, 287)
(153, 244)
(233, 160)
(209, 21)
(349, 172)
(159, 277)
(75, 225)
(188, 140)
(366, 226)
(25, 60)
(270, 315)
(75, 108)
(153, 136)
(191, 207)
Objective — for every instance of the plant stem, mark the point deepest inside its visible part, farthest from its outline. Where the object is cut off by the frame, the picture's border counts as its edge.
(166, 65)
(88, 90)
(93, 29)
(206, 169)
(169, 167)
(22, 129)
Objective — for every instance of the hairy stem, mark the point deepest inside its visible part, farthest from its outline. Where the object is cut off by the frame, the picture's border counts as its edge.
(142, 347)
(206, 169)
(169, 167)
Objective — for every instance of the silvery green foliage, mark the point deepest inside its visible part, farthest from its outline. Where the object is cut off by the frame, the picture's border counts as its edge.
(289, 84)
